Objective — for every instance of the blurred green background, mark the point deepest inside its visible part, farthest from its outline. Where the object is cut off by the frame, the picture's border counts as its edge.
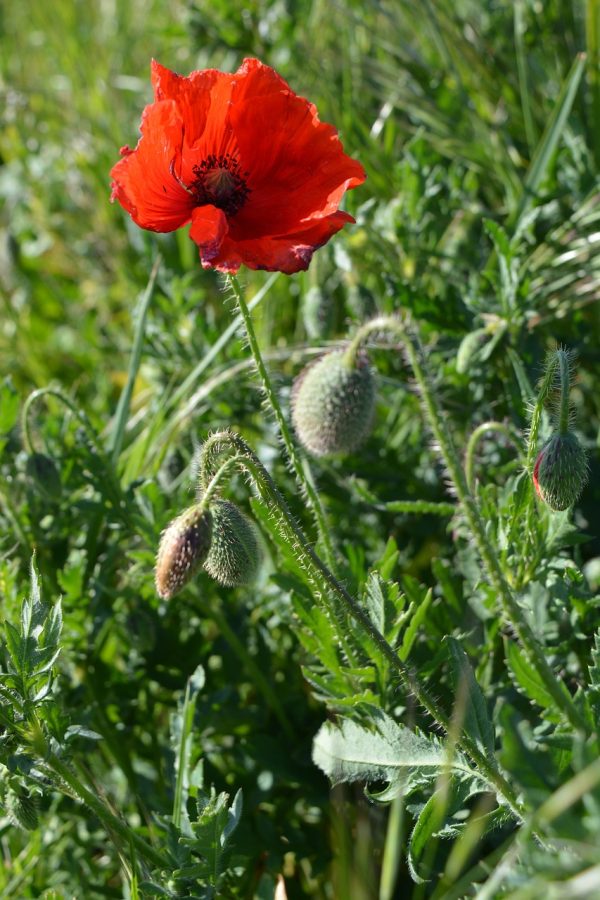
(479, 127)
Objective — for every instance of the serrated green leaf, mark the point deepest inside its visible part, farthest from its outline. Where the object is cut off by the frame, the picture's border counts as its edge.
(528, 680)
(475, 720)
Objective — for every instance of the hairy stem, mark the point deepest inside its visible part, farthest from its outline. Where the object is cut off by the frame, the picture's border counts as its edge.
(450, 457)
(113, 824)
(326, 585)
(500, 428)
(304, 479)
(564, 373)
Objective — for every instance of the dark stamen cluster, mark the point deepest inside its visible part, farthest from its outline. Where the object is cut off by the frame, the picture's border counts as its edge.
(220, 182)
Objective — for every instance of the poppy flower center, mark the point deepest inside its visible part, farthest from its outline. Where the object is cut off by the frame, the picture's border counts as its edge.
(220, 182)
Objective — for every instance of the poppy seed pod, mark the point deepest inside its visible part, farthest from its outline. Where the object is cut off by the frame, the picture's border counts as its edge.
(234, 555)
(560, 471)
(184, 545)
(333, 403)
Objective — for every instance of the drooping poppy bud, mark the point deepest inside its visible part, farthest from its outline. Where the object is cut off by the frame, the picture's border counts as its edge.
(234, 555)
(333, 403)
(21, 809)
(184, 546)
(561, 471)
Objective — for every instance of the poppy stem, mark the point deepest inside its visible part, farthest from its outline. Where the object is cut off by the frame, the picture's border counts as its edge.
(327, 589)
(447, 451)
(509, 433)
(300, 466)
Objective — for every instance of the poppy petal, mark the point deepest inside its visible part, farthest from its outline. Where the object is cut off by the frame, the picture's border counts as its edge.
(143, 180)
(202, 99)
(285, 253)
(246, 160)
(298, 171)
(208, 231)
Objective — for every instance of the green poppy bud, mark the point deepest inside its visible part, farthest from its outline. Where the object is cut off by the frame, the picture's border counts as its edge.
(234, 555)
(560, 471)
(184, 545)
(22, 809)
(333, 403)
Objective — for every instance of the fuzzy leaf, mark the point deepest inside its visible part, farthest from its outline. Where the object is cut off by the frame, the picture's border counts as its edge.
(388, 752)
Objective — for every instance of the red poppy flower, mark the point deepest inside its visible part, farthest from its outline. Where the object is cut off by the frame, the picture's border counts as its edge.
(242, 158)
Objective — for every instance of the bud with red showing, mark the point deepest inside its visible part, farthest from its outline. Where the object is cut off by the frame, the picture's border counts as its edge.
(561, 471)
(183, 548)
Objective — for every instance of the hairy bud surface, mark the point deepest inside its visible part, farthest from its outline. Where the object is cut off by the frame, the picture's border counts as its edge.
(561, 471)
(333, 403)
(184, 546)
(234, 555)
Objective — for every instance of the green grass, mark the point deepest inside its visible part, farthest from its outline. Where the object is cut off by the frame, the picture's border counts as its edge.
(477, 124)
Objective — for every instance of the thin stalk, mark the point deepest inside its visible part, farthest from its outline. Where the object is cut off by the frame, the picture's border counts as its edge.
(392, 851)
(327, 584)
(500, 428)
(66, 401)
(111, 487)
(564, 371)
(112, 822)
(547, 383)
(303, 479)
(122, 413)
(449, 455)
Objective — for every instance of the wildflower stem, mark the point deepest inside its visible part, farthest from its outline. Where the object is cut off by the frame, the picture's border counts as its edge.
(326, 585)
(500, 428)
(448, 452)
(66, 401)
(545, 389)
(116, 442)
(113, 823)
(206, 491)
(564, 372)
(303, 478)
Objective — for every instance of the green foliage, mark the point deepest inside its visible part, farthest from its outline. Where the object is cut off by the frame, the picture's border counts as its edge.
(131, 727)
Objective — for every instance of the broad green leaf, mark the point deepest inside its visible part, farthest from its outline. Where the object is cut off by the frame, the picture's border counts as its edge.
(387, 752)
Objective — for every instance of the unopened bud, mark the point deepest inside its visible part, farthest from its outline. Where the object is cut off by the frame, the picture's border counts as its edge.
(333, 403)
(234, 555)
(184, 545)
(21, 809)
(561, 471)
